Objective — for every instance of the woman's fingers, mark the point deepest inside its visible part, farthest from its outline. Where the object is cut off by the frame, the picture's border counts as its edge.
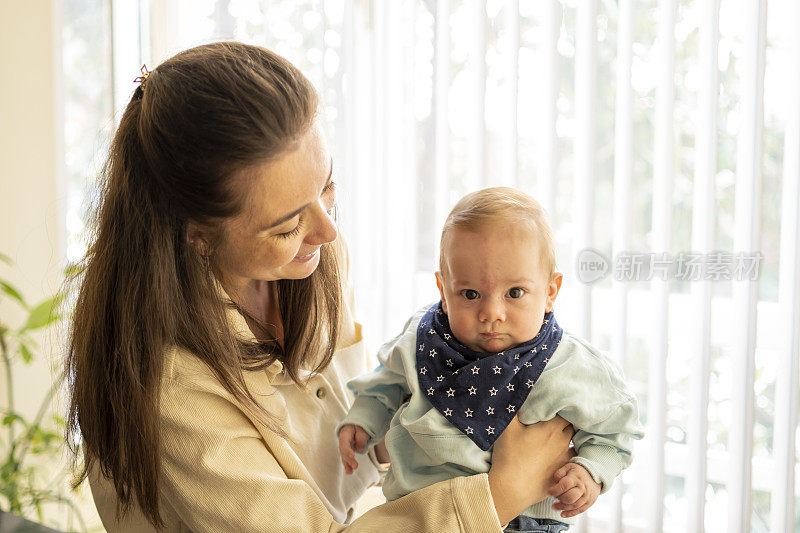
(558, 423)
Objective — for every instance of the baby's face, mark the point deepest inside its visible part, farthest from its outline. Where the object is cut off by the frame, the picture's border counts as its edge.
(495, 290)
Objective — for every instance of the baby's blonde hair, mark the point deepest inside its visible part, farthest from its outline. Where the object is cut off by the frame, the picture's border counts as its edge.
(500, 204)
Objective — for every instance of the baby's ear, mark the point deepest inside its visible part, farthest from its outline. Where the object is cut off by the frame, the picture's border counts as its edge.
(440, 286)
(552, 290)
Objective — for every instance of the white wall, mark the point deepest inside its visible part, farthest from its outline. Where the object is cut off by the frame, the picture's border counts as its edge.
(31, 197)
(31, 228)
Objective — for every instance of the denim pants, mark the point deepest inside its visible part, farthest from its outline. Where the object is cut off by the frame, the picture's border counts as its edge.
(526, 524)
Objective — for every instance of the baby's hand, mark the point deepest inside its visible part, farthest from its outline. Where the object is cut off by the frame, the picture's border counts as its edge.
(352, 438)
(575, 490)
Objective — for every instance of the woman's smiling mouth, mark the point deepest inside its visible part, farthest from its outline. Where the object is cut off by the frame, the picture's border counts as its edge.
(305, 258)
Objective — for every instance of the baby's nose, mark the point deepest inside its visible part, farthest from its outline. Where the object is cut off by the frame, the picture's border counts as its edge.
(493, 310)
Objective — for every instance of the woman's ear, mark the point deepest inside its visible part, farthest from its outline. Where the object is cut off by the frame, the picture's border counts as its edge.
(439, 284)
(198, 239)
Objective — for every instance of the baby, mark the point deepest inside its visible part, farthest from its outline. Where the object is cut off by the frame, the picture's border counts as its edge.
(491, 350)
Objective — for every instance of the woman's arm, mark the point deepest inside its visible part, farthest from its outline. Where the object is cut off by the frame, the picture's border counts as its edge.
(220, 473)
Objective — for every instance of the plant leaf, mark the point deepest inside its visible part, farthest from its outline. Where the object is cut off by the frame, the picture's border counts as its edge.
(10, 418)
(5, 259)
(73, 269)
(25, 352)
(11, 291)
(43, 314)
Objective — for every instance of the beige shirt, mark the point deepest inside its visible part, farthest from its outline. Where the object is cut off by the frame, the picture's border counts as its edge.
(222, 470)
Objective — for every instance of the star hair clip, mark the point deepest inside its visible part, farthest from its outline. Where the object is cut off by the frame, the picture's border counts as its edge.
(145, 74)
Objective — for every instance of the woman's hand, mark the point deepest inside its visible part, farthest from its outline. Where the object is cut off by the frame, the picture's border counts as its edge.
(524, 461)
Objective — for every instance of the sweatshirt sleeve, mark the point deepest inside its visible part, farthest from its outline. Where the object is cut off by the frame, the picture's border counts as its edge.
(220, 474)
(380, 393)
(605, 448)
(588, 389)
(604, 439)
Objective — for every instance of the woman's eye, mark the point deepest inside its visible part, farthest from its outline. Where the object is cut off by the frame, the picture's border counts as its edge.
(292, 233)
(516, 292)
(329, 192)
(470, 294)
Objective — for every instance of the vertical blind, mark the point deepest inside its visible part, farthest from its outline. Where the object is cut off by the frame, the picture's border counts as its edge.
(660, 135)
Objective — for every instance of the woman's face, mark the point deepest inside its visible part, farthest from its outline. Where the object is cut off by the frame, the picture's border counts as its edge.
(286, 217)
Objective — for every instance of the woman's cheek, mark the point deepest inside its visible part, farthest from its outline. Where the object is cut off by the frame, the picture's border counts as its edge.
(286, 251)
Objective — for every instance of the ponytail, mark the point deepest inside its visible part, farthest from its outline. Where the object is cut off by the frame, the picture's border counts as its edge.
(121, 318)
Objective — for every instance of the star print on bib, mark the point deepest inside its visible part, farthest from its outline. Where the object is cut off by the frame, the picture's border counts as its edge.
(479, 393)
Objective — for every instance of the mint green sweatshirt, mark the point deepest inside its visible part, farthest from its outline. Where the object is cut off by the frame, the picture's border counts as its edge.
(579, 383)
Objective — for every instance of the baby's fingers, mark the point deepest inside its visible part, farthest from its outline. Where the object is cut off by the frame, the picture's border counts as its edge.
(571, 497)
(350, 463)
(346, 436)
(346, 441)
(565, 484)
(561, 472)
(361, 439)
(576, 512)
(563, 505)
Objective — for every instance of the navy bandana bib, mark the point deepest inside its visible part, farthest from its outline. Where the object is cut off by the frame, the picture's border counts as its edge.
(479, 393)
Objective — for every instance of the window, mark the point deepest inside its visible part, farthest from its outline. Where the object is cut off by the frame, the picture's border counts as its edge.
(568, 100)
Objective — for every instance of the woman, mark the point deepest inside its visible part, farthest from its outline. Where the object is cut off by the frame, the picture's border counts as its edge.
(212, 342)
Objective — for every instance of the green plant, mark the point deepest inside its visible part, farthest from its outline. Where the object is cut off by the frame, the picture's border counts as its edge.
(24, 488)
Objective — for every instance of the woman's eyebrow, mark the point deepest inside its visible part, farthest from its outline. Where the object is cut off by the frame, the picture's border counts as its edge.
(300, 210)
(286, 217)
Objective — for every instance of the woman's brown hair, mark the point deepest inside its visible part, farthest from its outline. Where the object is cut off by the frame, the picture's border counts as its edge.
(198, 119)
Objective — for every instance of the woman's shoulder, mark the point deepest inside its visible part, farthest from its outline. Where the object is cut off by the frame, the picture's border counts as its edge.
(185, 371)
(183, 367)
(180, 362)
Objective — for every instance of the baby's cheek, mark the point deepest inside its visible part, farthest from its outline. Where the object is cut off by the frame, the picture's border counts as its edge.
(461, 327)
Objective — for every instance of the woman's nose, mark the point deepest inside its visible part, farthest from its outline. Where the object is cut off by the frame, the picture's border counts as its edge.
(323, 229)
(492, 310)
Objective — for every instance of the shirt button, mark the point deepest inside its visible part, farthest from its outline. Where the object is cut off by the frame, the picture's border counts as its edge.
(320, 393)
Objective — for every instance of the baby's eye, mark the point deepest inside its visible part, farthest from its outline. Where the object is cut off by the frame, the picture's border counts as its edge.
(516, 292)
(470, 294)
